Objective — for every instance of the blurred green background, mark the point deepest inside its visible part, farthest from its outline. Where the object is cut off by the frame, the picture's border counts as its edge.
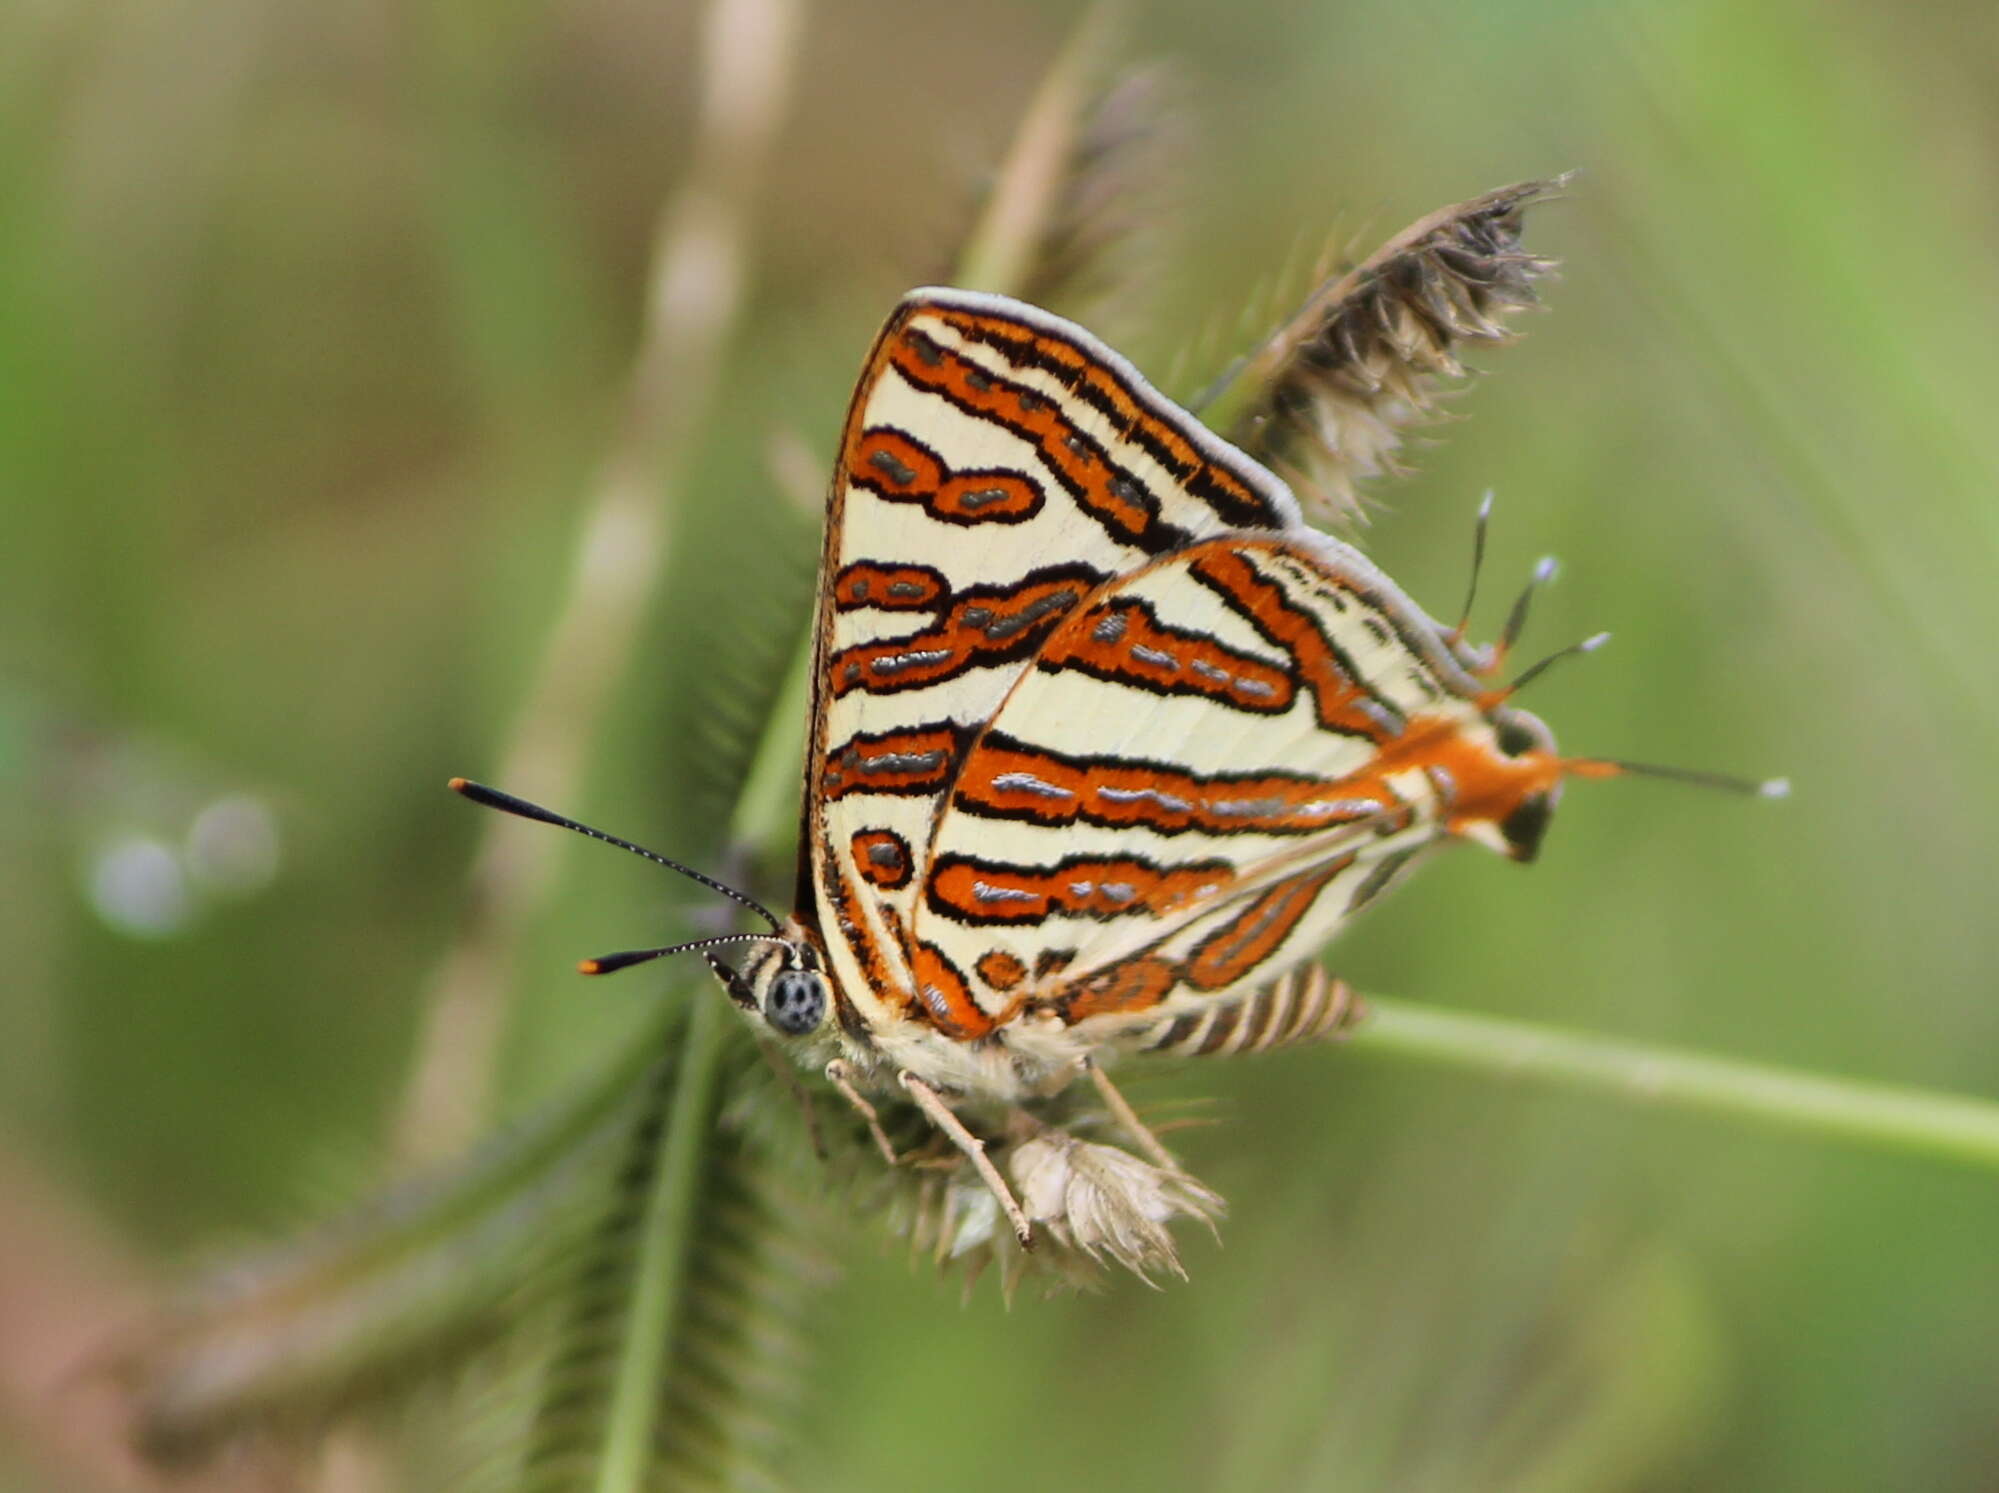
(314, 330)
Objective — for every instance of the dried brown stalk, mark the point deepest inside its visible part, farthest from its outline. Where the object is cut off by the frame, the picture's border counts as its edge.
(694, 294)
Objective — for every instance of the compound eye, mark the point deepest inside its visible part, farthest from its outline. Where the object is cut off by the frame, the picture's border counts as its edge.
(1515, 740)
(1523, 828)
(796, 1003)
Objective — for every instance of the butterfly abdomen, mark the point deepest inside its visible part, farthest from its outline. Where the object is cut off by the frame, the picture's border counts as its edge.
(1302, 1006)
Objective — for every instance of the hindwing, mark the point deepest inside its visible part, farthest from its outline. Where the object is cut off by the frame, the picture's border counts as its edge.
(1208, 768)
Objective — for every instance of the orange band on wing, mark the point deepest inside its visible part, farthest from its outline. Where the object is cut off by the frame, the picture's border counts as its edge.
(1000, 969)
(919, 760)
(1343, 703)
(1006, 779)
(985, 625)
(892, 588)
(894, 465)
(974, 891)
(1135, 985)
(882, 857)
(1234, 950)
(943, 998)
(1120, 640)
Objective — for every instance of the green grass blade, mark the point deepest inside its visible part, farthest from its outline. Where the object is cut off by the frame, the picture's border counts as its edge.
(1944, 1126)
(661, 1267)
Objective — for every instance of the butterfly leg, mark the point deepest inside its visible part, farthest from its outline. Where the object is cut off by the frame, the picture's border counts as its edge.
(1127, 1118)
(841, 1077)
(939, 1113)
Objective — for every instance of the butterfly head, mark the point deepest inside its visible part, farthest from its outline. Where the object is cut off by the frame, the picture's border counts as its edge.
(1521, 737)
(1498, 775)
(1504, 780)
(781, 982)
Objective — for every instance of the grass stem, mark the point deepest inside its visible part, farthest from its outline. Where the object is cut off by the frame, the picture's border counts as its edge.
(1887, 1116)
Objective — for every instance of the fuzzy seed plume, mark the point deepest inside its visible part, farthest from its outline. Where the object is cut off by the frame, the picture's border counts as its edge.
(1327, 397)
(1105, 1203)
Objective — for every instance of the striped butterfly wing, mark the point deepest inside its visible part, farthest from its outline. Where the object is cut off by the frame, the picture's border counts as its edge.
(998, 469)
(1209, 767)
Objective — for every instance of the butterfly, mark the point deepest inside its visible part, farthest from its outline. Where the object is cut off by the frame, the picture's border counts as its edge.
(1105, 741)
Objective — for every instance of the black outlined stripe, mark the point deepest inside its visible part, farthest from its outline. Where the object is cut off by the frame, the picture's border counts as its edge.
(1230, 495)
(983, 626)
(1122, 641)
(1006, 778)
(966, 889)
(1119, 502)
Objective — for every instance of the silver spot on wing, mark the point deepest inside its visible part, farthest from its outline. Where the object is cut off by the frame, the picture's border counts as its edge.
(916, 658)
(1344, 808)
(1034, 611)
(1027, 782)
(902, 762)
(1141, 795)
(896, 472)
(1248, 808)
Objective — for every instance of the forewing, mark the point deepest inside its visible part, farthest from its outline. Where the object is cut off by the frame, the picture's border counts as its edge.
(1209, 767)
(999, 468)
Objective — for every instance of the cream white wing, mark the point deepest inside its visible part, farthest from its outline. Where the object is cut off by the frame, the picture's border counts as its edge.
(999, 466)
